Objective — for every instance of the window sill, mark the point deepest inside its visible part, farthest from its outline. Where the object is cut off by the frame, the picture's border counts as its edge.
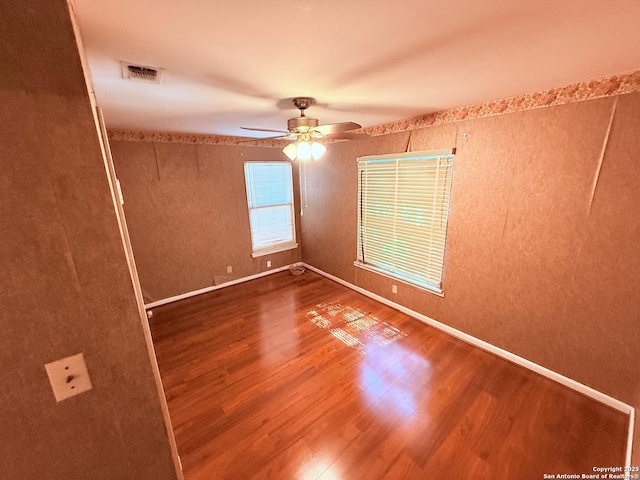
(274, 249)
(432, 290)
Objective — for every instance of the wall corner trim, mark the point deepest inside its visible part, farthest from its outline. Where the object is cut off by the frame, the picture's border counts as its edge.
(513, 358)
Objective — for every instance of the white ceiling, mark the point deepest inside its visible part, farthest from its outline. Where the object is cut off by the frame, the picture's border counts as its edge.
(229, 64)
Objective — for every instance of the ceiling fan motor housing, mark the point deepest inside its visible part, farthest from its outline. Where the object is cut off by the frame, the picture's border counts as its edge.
(305, 129)
(302, 124)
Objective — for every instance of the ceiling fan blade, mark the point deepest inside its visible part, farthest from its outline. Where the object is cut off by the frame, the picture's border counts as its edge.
(265, 130)
(278, 137)
(337, 127)
(347, 136)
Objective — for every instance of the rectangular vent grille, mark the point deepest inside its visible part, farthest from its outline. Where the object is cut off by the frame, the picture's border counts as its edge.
(140, 73)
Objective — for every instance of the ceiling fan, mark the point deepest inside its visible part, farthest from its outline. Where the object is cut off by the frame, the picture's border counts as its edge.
(304, 132)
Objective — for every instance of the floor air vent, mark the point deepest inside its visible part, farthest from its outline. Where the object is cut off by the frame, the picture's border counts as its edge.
(141, 73)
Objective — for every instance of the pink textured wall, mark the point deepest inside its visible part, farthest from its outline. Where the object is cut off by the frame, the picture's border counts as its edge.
(65, 287)
(542, 251)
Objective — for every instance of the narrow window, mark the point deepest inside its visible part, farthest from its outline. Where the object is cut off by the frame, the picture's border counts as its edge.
(270, 200)
(403, 208)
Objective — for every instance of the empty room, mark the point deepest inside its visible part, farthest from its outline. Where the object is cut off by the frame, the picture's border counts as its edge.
(319, 240)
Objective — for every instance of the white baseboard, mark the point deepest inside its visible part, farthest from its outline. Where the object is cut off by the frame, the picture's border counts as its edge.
(523, 362)
(164, 301)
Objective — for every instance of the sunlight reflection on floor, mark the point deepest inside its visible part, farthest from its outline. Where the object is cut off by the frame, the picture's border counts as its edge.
(394, 381)
(384, 372)
(353, 327)
(311, 470)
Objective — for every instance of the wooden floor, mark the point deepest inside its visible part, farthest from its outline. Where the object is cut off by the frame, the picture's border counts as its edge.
(291, 377)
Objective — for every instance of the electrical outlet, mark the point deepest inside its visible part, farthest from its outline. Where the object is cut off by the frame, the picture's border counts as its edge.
(268, 263)
(68, 377)
(394, 289)
(229, 269)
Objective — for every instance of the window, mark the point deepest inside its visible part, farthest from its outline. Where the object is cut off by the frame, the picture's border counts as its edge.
(403, 208)
(270, 200)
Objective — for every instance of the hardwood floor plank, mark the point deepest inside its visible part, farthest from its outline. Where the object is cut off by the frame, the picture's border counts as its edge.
(298, 377)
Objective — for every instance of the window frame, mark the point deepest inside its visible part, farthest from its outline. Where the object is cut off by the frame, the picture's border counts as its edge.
(273, 247)
(368, 240)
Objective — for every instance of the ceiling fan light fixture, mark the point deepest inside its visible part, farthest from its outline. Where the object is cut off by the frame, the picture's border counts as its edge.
(290, 151)
(303, 151)
(317, 150)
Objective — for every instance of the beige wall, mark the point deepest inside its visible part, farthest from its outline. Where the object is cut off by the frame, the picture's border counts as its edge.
(186, 207)
(65, 287)
(542, 254)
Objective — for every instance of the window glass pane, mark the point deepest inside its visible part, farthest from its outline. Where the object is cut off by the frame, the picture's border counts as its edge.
(270, 200)
(270, 184)
(271, 225)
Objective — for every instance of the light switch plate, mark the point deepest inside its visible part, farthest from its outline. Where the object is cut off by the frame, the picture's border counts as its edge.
(68, 376)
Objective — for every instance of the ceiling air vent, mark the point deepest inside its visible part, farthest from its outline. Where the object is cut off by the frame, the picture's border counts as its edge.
(140, 73)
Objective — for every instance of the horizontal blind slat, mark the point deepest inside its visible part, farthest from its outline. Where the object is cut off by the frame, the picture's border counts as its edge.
(403, 206)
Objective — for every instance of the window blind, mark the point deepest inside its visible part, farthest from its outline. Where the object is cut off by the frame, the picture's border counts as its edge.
(271, 212)
(403, 208)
